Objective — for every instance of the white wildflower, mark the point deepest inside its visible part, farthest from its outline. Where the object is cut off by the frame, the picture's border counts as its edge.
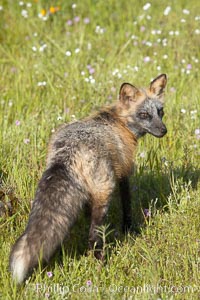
(186, 11)
(24, 13)
(68, 53)
(77, 50)
(167, 10)
(34, 48)
(183, 110)
(147, 6)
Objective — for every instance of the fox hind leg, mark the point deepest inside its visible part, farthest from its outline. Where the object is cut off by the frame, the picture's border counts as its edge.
(101, 181)
(98, 214)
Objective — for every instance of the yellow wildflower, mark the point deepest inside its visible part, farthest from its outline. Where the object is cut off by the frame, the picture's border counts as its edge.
(43, 12)
(53, 9)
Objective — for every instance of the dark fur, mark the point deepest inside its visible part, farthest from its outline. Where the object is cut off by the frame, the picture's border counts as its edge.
(86, 159)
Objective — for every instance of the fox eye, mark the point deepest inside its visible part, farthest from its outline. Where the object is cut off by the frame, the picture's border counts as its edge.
(161, 112)
(144, 115)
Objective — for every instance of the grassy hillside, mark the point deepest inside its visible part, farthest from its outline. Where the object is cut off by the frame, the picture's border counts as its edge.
(61, 60)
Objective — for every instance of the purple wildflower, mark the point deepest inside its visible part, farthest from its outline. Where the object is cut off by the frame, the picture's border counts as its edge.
(142, 154)
(69, 22)
(91, 70)
(86, 20)
(26, 141)
(147, 59)
(172, 89)
(76, 19)
(67, 109)
(113, 89)
(189, 67)
(17, 122)
(89, 282)
(13, 70)
(197, 131)
(147, 212)
(49, 274)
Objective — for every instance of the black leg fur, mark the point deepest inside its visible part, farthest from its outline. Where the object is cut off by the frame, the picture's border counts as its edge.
(126, 204)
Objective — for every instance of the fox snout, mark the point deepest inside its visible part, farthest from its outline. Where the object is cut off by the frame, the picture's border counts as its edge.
(163, 131)
(159, 131)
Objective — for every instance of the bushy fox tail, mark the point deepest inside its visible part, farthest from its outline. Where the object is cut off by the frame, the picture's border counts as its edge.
(58, 200)
(21, 258)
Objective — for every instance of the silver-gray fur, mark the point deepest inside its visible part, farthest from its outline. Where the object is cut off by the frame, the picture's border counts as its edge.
(85, 161)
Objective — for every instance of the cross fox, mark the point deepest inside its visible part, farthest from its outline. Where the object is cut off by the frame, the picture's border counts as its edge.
(86, 159)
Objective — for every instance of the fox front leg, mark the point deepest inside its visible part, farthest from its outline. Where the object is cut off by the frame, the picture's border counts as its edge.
(98, 214)
(126, 203)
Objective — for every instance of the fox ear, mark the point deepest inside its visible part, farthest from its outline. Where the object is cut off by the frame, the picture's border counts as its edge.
(158, 85)
(128, 92)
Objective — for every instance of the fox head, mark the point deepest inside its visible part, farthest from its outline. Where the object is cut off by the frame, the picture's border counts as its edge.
(142, 109)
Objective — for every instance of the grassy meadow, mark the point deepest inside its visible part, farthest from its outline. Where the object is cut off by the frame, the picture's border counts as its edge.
(60, 61)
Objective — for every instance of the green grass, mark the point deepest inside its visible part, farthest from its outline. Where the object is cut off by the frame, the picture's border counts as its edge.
(162, 261)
